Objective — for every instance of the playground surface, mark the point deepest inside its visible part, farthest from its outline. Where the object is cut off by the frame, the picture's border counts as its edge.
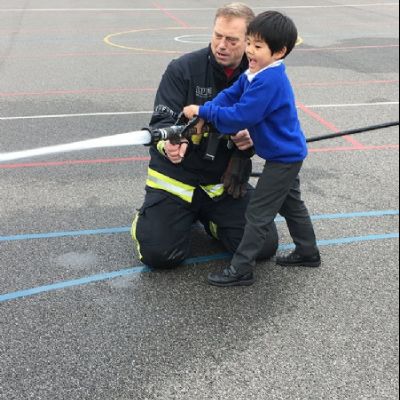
(81, 318)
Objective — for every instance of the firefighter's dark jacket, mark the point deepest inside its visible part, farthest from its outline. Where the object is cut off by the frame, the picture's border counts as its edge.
(194, 78)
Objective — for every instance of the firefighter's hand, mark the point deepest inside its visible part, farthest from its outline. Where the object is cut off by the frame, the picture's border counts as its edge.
(191, 112)
(243, 140)
(176, 152)
(237, 175)
(200, 126)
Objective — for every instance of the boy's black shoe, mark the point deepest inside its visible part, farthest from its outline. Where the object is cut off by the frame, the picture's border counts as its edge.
(229, 277)
(297, 260)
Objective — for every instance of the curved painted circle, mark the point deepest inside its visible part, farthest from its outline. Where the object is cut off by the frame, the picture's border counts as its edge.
(182, 39)
(205, 39)
(109, 39)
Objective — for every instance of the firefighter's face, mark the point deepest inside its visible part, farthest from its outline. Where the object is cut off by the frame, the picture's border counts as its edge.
(229, 41)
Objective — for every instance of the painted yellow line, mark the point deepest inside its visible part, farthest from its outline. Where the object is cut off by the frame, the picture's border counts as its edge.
(109, 39)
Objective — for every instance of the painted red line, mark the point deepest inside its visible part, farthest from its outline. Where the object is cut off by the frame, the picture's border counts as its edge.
(320, 49)
(80, 91)
(352, 148)
(152, 90)
(112, 28)
(135, 53)
(94, 54)
(146, 159)
(78, 31)
(172, 16)
(74, 162)
(329, 125)
(345, 83)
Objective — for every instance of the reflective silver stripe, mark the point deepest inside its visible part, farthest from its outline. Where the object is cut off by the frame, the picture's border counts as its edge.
(159, 182)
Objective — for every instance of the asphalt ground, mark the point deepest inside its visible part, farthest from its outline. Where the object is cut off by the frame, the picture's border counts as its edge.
(81, 318)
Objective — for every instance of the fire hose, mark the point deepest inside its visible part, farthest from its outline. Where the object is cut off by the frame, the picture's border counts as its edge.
(344, 133)
(147, 136)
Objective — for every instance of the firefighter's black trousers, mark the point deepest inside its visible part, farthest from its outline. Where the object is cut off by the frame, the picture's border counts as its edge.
(162, 227)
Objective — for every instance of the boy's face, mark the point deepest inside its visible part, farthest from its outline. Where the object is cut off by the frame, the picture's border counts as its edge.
(260, 55)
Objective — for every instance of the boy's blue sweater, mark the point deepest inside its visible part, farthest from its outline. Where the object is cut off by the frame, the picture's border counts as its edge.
(267, 108)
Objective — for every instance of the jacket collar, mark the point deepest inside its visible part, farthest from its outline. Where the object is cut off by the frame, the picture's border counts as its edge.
(251, 76)
(219, 69)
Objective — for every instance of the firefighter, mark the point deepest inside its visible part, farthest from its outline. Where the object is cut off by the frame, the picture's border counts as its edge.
(204, 179)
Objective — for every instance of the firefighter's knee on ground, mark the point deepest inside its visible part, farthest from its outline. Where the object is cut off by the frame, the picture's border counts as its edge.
(160, 257)
(157, 256)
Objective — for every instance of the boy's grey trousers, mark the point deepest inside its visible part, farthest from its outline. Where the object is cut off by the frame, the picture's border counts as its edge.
(277, 192)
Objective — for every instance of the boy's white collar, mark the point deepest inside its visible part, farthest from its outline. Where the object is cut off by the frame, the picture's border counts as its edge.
(251, 76)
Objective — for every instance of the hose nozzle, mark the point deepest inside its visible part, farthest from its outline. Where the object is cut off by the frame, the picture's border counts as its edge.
(174, 133)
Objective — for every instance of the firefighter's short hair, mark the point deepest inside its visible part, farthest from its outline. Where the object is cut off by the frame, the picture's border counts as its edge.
(236, 10)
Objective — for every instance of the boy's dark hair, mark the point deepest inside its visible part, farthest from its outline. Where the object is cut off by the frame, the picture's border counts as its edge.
(275, 29)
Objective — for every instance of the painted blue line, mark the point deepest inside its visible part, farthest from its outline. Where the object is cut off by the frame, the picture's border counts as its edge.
(112, 231)
(370, 214)
(191, 261)
(52, 235)
(358, 239)
(74, 282)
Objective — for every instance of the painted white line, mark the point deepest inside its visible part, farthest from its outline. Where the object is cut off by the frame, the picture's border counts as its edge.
(76, 115)
(386, 103)
(189, 9)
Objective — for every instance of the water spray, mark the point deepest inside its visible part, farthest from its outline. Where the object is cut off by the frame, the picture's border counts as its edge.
(147, 137)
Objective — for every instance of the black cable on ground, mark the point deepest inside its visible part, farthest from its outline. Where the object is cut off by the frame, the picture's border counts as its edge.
(353, 131)
(344, 133)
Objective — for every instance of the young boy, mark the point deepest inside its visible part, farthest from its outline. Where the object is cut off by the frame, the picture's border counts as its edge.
(263, 102)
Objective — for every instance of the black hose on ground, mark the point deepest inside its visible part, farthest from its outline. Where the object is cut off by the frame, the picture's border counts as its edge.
(344, 133)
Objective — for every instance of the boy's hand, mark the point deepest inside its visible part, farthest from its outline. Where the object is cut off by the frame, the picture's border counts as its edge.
(191, 112)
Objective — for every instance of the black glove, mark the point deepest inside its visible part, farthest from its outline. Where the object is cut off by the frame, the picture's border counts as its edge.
(237, 175)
